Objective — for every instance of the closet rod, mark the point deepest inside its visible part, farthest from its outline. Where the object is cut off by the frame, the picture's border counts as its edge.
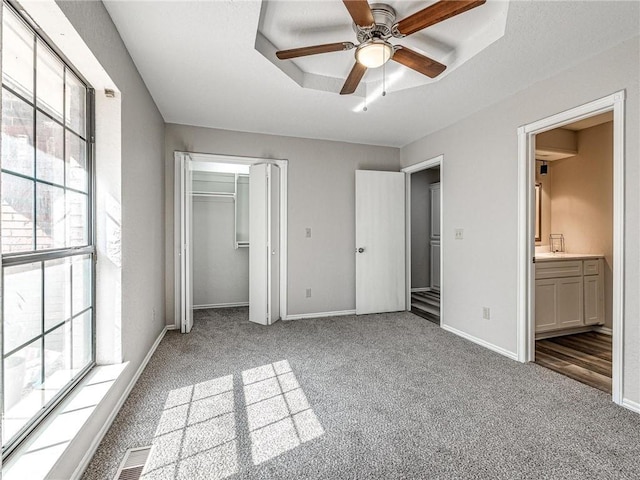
(210, 194)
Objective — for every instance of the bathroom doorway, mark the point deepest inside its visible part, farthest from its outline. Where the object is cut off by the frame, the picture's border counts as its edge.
(571, 250)
(574, 250)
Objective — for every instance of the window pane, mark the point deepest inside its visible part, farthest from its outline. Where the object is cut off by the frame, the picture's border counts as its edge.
(81, 269)
(77, 224)
(82, 341)
(57, 292)
(77, 174)
(57, 360)
(49, 82)
(17, 214)
(17, 134)
(23, 397)
(22, 312)
(76, 97)
(49, 150)
(49, 217)
(17, 55)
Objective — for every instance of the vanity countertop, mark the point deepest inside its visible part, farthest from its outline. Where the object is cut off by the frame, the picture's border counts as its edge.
(549, 257)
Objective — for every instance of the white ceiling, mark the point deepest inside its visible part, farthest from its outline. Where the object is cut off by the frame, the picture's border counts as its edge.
(200, 65)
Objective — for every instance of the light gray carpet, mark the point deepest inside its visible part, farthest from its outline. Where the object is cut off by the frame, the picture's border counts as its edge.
(377, 396)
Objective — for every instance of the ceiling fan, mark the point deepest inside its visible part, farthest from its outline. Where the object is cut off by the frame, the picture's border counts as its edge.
(374, 24)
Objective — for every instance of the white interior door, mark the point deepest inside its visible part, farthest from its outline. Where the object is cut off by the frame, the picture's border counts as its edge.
(184, 211)
(380, 242)
(264, 255)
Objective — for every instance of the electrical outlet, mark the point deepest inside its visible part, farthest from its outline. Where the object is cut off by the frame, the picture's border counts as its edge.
(308, 232)
(308, 293)
(153, 315)
(486, 313)
(459, 233)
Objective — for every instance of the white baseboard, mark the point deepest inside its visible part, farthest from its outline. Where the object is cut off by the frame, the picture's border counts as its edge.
(421, 289)
(604, 330)
(221, 305)
(84, 463)
(481, 342)
(631, 405)
(338, 313)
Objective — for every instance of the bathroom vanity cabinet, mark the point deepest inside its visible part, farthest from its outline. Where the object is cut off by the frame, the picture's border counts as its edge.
(569, 291)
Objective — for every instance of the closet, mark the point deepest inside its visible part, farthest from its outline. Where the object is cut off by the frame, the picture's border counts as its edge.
(220, 235)
(228, 234)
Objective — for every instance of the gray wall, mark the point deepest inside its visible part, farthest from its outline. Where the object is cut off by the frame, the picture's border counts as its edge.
(142, 181)
(421, 225)
(142, 205)
(480, 195)
(321, 196)
(220, 271)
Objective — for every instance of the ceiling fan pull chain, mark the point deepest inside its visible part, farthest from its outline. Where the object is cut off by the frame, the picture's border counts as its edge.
(364, 109)
(384, 84)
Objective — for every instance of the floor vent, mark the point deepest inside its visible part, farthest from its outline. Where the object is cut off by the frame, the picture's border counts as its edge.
(133, 464)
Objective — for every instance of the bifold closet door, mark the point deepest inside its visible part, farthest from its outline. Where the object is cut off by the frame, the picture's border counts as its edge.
(264, 228)
(183, 211)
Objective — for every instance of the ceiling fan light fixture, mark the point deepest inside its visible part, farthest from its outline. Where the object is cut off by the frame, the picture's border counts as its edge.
(374, 53)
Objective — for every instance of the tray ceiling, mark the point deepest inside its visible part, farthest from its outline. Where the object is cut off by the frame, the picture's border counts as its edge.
(292, 24)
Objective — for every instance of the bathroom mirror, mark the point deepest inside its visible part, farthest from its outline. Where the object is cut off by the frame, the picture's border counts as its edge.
(538, 212)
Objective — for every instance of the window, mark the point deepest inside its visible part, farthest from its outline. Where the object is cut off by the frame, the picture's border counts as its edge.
(46, 231)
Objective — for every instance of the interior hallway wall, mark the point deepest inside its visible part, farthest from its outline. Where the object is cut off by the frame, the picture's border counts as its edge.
(321, 189)
(582, 200)
(421, 225)
(481, 196)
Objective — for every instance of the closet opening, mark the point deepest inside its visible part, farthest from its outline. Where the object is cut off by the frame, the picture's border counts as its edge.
(230, 236)
(424, 253)
(220, 235)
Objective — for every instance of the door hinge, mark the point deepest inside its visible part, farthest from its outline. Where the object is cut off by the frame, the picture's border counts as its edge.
(534, 260)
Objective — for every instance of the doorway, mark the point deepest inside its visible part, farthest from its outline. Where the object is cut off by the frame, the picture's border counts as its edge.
(574, 250)
(230, 236)
(571, 251)
(423, 239)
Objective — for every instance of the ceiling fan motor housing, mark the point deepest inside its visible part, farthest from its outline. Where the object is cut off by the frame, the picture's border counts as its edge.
(384, 17)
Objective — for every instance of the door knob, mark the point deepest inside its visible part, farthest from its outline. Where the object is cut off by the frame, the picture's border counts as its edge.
(360, 250)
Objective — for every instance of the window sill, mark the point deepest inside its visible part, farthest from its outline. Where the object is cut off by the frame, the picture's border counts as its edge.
(48, 443)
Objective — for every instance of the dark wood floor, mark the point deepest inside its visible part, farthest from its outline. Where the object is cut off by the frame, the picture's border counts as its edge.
(585, 357)
(426, 305)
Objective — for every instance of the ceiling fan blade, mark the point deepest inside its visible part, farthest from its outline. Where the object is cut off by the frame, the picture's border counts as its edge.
(314, 50)
(360, 11)
(353, 80)
(418, 62)
(435, 13)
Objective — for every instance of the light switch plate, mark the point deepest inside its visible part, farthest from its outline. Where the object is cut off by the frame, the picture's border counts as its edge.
(459, 233)
(308, 232)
